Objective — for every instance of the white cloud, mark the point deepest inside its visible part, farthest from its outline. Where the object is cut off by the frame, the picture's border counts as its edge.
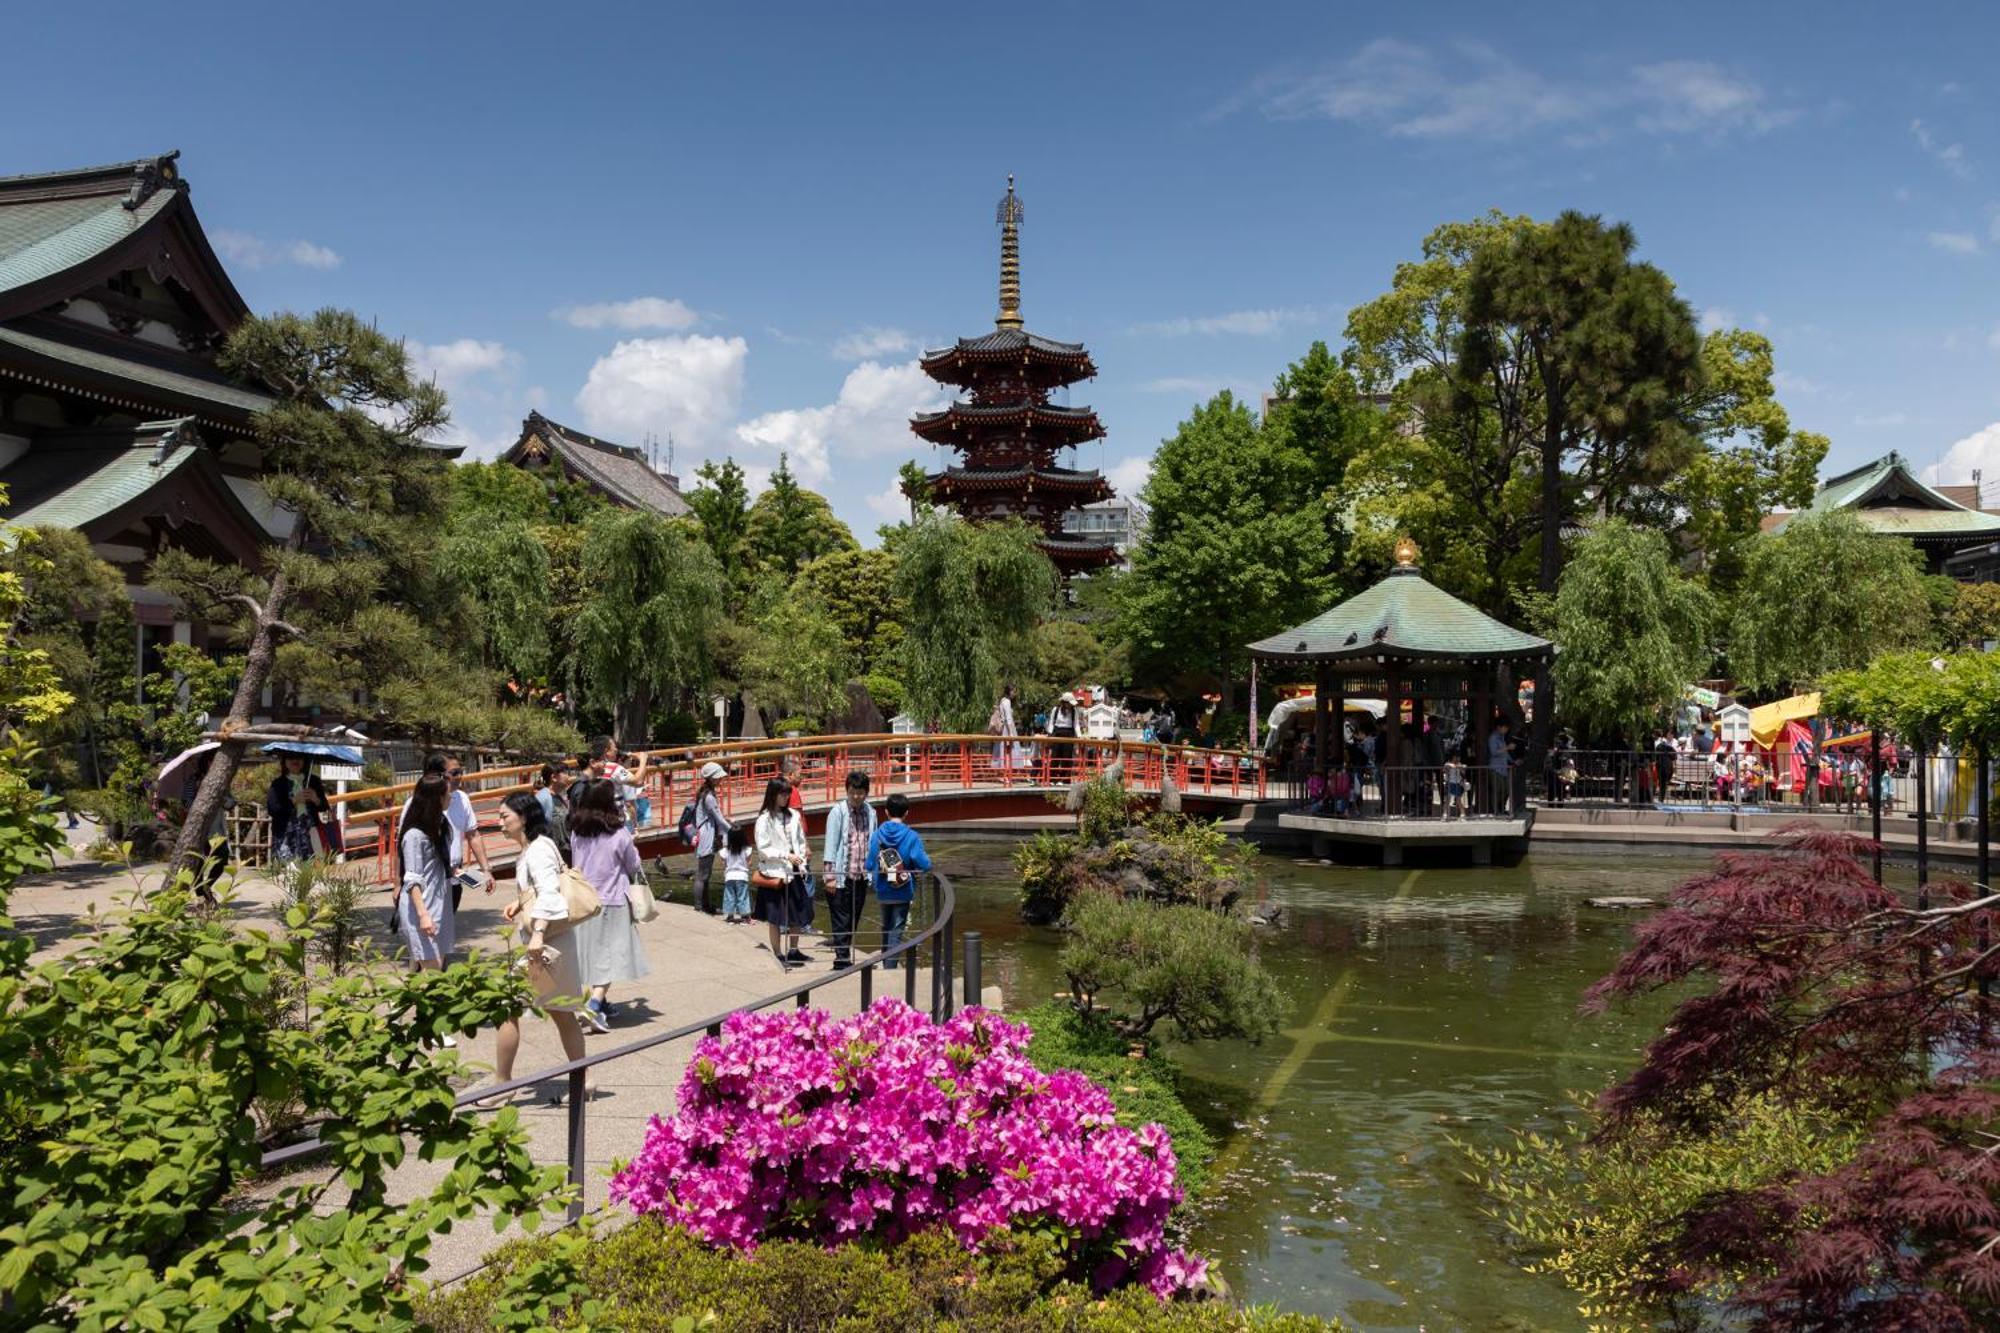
(1950, 156)
(1954, 242)
(687, 387)
(1245, 323)
(248, 250)
(871, 343)
(1717, 317)
(644, 312)
(869, 418)
(1128, 476)
(1980, 450)
(890, 504)
(1472, 91)
(454, 364)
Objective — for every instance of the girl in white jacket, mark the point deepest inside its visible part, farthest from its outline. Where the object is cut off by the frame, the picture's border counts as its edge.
(779, 873)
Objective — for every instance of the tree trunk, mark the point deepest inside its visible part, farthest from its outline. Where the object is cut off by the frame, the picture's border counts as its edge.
(191, 845)
(634, 718)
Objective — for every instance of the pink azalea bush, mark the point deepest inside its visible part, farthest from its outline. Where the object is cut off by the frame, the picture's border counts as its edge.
(799, 1125)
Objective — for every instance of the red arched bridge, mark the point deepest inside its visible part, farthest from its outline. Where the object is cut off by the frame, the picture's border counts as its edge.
(946, 777)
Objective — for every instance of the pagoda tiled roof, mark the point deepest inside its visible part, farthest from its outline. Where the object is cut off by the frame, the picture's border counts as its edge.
(618, 471)
(1050, 478)
(1008, 344)
(125, 375)
(1070, 424)
(1404, 617)
(1070, 553)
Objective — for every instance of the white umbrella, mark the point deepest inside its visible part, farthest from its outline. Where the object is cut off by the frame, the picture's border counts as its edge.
(174, 765)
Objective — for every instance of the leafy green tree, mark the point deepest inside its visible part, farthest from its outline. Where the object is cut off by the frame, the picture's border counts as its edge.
(722, 503)
(858, 590)
(497, 491)
(799, 664)
(915, 483)
(975, 592)
(791, 526)
(501, 569)
(1974, 616)
(1317, 411)
(1633, 631)
(343, 451)
(1236, 547)
(1610, 350)
(653, 594)
(1063, 654)
(76, 611)
(1824, 594)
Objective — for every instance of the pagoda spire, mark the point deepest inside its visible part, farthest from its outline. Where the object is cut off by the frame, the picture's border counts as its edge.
(1010, 259)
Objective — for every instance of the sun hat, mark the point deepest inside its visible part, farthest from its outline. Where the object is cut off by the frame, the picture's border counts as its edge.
(711, 771)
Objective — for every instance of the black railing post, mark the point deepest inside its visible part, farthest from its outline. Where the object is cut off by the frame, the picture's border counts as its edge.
(973, 989)
(1875, 794)
(577, 1079)
(1922, 761)
(867, 985)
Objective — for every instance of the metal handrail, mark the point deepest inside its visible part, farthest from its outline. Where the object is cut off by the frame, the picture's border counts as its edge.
(944, 908)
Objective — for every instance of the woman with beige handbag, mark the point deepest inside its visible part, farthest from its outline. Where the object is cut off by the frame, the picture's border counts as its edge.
(541, 912)
(602, 851)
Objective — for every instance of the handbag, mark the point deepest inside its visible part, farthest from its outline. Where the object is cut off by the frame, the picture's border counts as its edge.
(580, 900)
(639, 898)
(760, 880)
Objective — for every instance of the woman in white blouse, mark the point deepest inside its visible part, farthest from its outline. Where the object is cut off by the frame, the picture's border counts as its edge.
(552, 970)
(779, 870)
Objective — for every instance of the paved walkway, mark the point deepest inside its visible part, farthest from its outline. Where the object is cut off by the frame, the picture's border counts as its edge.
(700, 968)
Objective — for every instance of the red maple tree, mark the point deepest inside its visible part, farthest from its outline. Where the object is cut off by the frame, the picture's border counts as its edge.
(1826, 987)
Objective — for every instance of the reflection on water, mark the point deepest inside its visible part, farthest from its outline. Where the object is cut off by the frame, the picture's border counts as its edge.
(1423, 1003)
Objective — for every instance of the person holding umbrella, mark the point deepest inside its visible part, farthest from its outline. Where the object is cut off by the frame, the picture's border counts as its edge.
(296, 802)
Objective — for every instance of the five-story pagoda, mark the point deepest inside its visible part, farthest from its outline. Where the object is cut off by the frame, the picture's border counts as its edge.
(1007, 430)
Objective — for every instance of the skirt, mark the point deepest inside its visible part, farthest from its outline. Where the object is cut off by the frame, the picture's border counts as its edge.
(787, 907)
(608, 948)
(427, 948)
(560, 983)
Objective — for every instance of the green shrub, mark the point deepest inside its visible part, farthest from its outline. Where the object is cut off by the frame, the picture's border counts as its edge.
(1187, 964)
(1146, 1088)
(886, 691)
(1598, 1212)
(645, 1277)
(1168, 859)
(804, 726)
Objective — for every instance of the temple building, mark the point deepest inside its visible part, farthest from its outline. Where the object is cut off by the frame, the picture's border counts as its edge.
(618, 472)
(1947, 525)
(1006, 430)
(114, 418)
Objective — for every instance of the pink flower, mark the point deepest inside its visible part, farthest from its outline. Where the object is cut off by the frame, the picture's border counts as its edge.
(799, 1124)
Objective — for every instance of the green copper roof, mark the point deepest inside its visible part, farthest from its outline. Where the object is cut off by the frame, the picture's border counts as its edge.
(1887, 497)
(74, 486)
(147, 382)
(46, 236)
(1405, 616)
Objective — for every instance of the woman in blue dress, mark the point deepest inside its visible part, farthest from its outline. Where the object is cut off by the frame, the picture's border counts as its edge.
(423, 886)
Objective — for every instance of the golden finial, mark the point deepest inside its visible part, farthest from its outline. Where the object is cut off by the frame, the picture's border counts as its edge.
(1010, 259)
(1406, 553)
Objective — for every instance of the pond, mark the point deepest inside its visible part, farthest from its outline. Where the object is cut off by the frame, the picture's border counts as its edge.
(1424, 1004)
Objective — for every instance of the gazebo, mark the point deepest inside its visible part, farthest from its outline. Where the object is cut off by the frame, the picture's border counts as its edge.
(1411, 644)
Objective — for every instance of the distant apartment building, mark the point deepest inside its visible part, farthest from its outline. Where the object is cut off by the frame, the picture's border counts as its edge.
(1121, 521)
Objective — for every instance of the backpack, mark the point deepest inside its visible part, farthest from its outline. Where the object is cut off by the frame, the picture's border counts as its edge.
(993, 721)
(890, 862)
(689, 827)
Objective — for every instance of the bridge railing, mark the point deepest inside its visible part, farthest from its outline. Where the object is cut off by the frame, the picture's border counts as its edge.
(937, 935)
(917, 765)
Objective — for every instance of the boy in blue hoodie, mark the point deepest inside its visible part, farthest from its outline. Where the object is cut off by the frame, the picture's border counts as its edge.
(896, 854)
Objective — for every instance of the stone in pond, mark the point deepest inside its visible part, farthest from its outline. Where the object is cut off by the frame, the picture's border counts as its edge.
(1617, 903)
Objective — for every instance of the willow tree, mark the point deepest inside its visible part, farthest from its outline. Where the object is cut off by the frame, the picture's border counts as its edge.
(975, 592)
(1824, 594)
(344, 455)
(1633, 629)
(652, 593)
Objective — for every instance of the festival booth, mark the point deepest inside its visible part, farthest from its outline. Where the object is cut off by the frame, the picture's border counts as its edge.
(1782, 731)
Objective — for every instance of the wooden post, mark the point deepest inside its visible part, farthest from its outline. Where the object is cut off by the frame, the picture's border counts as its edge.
(1923, 765)
(1323, 720)
(1480, 780)
(1875, 793)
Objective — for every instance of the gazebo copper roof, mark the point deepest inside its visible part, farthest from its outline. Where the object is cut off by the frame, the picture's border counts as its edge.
(1405, 617)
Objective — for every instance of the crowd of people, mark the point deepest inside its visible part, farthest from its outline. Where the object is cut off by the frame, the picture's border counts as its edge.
(579, 823)
(1440, 770)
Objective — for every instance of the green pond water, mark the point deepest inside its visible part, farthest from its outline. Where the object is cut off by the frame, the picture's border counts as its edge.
(1423, 1004)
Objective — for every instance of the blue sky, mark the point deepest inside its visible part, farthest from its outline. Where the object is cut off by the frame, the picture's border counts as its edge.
(736, 224)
